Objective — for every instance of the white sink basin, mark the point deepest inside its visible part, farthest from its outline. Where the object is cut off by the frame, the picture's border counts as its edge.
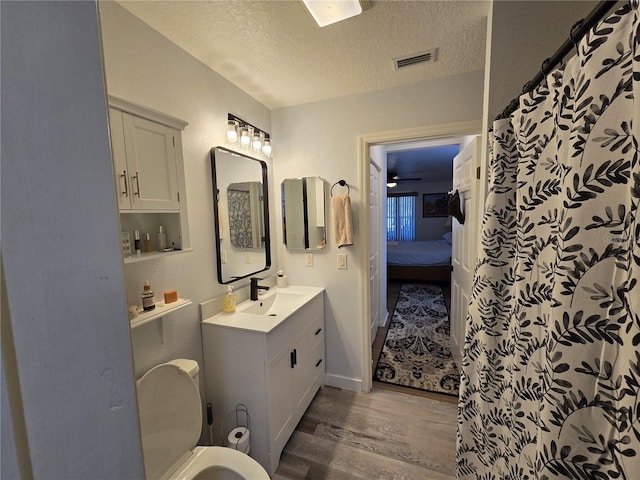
(265, 314)
(277, 303)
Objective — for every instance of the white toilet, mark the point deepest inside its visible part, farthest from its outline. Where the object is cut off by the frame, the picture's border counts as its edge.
(170, 422)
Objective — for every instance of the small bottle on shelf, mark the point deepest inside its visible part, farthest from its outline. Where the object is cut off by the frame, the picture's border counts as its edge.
(146, 243)
(147, 298)
(162, 239)
(136, 241)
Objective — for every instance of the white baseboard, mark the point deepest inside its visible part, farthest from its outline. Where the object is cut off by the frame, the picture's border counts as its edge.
(351, 384)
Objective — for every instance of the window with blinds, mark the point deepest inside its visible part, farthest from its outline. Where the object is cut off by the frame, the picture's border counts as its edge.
(401, 217)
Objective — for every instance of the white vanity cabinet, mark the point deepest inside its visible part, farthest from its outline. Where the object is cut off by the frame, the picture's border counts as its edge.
(275, 373)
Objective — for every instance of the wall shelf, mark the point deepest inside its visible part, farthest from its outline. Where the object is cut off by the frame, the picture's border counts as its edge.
(160, 311)
(150, 256)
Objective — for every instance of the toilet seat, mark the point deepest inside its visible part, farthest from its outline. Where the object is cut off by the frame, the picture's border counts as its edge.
(206, 460)
(170, 415)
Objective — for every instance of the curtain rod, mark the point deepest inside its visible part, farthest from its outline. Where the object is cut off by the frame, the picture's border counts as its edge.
(578, 31)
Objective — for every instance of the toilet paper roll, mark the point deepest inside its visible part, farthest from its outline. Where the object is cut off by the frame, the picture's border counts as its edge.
(239, 439)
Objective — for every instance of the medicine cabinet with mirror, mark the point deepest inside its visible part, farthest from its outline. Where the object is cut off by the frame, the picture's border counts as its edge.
(303, 215)
(241, 211)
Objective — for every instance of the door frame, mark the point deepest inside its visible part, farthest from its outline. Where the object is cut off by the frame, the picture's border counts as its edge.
(434, 132)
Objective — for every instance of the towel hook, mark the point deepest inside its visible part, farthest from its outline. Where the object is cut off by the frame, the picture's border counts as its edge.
(342, 183)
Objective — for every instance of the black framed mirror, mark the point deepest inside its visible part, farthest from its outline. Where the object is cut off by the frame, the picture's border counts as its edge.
(303, 213)
(241, 214)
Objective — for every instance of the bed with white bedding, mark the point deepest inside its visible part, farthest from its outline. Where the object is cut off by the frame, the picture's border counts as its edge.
(421, 260)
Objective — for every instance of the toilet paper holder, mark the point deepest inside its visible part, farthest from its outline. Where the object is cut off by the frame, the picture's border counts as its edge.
(240, 439)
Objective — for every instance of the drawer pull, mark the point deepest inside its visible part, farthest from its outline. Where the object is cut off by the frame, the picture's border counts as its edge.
(318, 331)
(318, 362)
(294, 359)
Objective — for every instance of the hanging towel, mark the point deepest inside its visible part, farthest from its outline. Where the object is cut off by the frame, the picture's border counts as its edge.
(341, 213)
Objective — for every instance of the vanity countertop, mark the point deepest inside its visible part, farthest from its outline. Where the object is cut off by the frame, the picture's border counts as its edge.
(296, 296)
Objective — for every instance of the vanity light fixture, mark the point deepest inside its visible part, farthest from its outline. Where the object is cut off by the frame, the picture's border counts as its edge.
(326, 12)
(250, 137)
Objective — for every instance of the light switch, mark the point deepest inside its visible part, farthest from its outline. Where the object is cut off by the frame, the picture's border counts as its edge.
(223, 256)
(247, 257)
(308, 258)
(342, 261)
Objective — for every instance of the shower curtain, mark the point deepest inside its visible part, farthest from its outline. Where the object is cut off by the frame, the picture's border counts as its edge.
(550, 384)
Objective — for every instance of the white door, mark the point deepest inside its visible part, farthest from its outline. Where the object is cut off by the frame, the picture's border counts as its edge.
(463, 254)
(374, 242)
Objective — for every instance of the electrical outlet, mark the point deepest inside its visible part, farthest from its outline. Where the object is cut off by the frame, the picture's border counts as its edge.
(308, 259)
(342, 261)
(247, 257)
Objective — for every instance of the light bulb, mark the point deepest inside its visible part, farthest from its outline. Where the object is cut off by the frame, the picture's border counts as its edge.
(257, 141)
(232, 131)
(245, 139)
(266, 147)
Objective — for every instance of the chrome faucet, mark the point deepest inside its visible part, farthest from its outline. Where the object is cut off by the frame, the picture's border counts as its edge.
(255, 287)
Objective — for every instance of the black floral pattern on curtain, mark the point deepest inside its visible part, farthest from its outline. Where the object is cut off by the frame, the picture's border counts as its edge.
(240, 227)
(550, 384)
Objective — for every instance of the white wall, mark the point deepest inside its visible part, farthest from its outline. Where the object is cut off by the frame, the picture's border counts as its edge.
(66, 356)
(144, 67)
(430, 228)
(322, 139)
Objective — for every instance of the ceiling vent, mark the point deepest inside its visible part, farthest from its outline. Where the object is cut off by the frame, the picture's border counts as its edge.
(428, 56)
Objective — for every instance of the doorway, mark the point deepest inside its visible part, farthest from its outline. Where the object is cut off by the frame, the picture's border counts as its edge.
(366, 143)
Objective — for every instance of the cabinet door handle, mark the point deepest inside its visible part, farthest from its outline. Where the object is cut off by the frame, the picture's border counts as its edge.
(126, 184)
(293, 358)
(137, 177)
(318, 362)
(318, 331)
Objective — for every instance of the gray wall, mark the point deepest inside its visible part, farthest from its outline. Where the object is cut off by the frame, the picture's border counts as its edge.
(65, 339)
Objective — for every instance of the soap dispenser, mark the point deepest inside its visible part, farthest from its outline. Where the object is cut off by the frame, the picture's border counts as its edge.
(229, 301)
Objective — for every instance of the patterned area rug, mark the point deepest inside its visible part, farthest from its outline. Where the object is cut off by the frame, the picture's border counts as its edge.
(416, 351)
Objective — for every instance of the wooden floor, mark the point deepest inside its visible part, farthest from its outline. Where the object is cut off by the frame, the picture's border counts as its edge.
(390, 433)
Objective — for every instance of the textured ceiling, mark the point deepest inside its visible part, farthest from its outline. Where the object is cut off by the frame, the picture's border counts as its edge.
(274, 50)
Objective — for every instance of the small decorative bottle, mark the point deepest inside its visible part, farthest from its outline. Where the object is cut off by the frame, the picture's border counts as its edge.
(229, 301)
(162, 239)
(136, 241)
(146, 243)
(147, 298)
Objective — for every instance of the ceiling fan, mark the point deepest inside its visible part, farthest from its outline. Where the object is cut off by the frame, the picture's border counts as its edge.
(393, 179)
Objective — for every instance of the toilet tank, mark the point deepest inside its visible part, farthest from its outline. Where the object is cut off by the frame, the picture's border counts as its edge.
(189, 366)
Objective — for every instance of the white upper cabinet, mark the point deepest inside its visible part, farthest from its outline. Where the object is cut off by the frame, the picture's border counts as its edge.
(145, 165)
